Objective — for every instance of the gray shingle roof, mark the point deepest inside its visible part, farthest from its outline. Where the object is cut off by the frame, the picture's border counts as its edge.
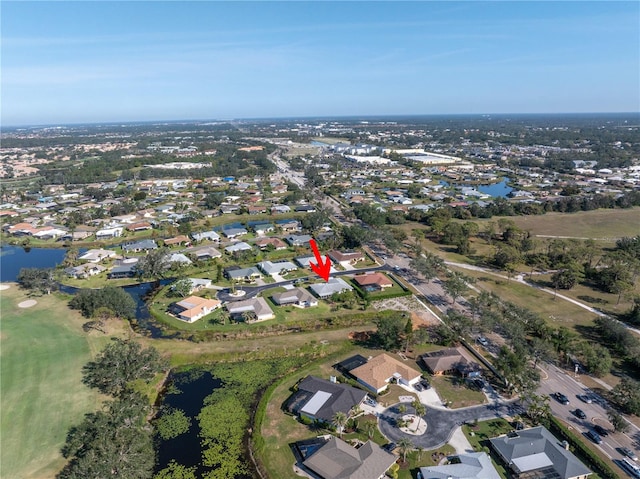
(338, 460)
(341, 397)
(535, 448)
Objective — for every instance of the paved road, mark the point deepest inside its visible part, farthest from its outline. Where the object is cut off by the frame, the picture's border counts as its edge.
(441, 423)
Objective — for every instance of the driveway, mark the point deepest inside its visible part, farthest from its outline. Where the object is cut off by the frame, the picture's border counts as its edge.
(441, 424)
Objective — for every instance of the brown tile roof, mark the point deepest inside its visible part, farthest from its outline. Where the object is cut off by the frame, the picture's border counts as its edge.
(378, 370)
(177, 240)
(368, 279)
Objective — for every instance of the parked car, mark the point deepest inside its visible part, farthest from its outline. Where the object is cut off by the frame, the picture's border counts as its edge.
(390, 447)
(585, 398)
(600, 430)
(580, 413)
(594, 437)
(483, 341)
(425, 384)
(562, 398)
(418, 387)
(629, 453)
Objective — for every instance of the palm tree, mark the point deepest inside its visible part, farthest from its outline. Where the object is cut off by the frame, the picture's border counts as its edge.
(339, 421)
(370, 429)
(404, 445)
(421, 410)
(402, 409)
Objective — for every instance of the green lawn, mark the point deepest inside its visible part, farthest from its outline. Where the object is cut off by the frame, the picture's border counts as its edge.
(453, 390)
(43, 351)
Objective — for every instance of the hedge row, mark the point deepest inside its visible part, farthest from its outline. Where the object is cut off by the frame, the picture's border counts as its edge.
(587, 455)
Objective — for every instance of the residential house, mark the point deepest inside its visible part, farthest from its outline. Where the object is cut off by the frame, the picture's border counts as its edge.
(298, 240)
(140, 226)
(177, 240)
(193, 308)
(474, 465)
(137, 246)
(346, 258)
(298, 297)
(203, 252)
(373, 281)
(109, 232)
(288, 226)
(229, 209)
(258, 307)
(276, 268)
(49, 232)
(280, 209)
(126, 268)
(235, 273)
(305, 209)
(262, 227)
(256, 209)
(378, 372)
(96, 255)
(277, 243)
(237, 247)
(84, 271)
(329, 288)
(197, 284)
(317, 399)
(450, 360)
(178, 258)
(535, 452)
(206, 235)
(339, 460)
(234, 231)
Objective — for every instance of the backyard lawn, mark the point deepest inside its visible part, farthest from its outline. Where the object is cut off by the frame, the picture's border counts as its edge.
(43, 351)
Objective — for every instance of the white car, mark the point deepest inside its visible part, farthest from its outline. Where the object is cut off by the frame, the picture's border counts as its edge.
(483, 341)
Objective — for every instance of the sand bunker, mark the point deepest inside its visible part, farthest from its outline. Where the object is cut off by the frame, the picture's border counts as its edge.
(28, 303)
(4, 286)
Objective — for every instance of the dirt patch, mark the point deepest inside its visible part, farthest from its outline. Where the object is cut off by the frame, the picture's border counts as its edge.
(420, 317)
(28, 303)
(4, 287)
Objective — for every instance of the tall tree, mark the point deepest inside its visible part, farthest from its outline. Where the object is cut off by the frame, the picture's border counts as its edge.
(120, 362)
(40, 280)
(428, 265)
(115, 442)
(456, 284)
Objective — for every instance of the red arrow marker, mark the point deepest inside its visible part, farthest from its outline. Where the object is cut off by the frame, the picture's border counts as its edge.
(321, 269)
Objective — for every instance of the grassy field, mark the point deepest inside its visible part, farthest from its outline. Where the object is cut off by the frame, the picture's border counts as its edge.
(453, 391)
(43, 351)
(604, 224)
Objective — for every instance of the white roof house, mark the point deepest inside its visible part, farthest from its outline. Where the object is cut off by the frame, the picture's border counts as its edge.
(270, 268)
(476, 465)
(331, 287)
(96, 255)
(240, 246)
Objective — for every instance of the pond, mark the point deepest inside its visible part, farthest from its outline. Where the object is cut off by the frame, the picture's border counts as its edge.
(14, 258)
(497, 190)
(186, 392)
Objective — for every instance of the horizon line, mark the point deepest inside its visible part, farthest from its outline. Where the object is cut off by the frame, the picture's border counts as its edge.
(310, 117)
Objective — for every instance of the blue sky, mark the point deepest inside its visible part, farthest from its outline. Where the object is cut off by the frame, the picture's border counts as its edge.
(74, 62)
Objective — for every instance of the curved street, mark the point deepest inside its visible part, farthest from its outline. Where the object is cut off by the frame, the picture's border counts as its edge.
(441, 422)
